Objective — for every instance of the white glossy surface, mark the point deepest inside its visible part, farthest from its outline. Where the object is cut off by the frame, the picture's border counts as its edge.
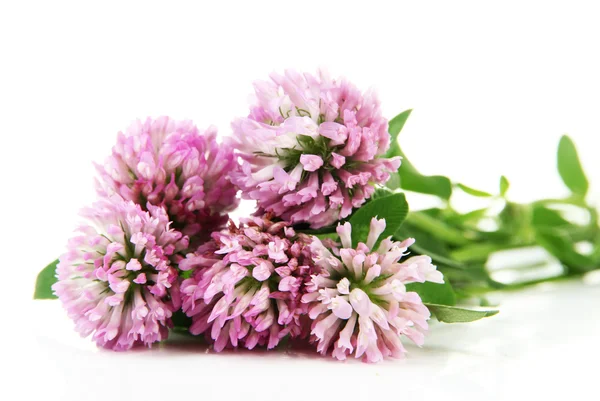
(544, 343)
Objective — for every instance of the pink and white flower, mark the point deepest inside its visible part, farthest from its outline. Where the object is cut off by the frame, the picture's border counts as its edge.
(245, 288)
(359, 303)
(118, 280)
(170, 163)
(312, 148)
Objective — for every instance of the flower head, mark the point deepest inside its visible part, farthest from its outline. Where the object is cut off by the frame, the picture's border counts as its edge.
(117, 280)
(311, 148)
(171, 163)
(359, 303)
(246, 286)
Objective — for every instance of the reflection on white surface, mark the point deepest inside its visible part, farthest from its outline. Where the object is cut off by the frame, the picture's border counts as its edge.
(539, 344)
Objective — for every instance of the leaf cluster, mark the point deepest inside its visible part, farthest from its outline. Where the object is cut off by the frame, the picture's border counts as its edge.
(461, 243)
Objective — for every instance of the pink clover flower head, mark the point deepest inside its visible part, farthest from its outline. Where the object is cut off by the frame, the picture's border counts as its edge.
(311, 148)
(247, 290)
(171, 163)
(118, 280)
(359, 304)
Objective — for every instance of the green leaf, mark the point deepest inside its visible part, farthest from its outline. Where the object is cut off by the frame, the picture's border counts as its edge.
(433, 293)
(479, 252)
(465, 281)
(558, 243)
(45, 279)
(423, 238)
(504, 185)
(381, 193)
(426, 245)
(569, 167)
(432, 185)
(461, 219)
(393, 209)
(409, 177)
(474, 192)
(545, 217)
(395, 126)
(451, 314)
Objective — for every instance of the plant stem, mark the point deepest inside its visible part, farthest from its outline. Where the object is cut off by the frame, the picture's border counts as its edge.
(481, 252)
(439, 229)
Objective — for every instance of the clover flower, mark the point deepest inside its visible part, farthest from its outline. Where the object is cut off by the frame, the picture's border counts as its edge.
(117, 279)
(171, 163)
(359, 303)
(246, 287)
(311, 148)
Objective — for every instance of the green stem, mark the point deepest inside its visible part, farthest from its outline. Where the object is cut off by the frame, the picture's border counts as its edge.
(439, 229)
(481, 252)
(525, 284)
(436, 257)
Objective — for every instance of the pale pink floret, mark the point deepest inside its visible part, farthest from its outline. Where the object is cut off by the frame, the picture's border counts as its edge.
(117, 280)
(172, 164)
(246, 286)
(311, 148)
(359, 303)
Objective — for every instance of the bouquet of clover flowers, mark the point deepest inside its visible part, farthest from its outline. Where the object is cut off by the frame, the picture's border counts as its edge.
(331, 256)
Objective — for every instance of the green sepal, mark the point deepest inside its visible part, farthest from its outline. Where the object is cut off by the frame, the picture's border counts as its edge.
(45, 279)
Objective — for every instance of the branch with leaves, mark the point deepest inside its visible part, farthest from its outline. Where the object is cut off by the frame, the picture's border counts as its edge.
(461, 248)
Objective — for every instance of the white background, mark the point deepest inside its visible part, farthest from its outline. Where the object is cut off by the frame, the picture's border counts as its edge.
(493, 85)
